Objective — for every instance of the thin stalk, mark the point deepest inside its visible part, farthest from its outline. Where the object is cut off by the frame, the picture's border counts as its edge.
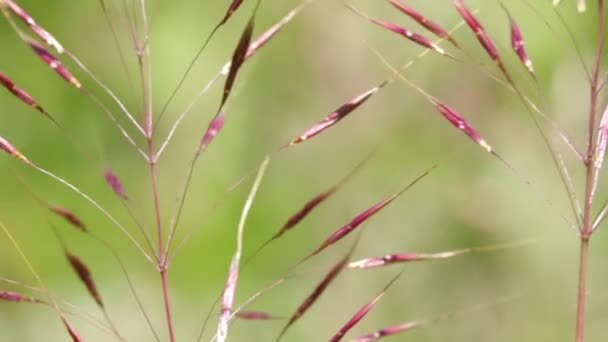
(591, 170)
(582, 289)
(162, 265)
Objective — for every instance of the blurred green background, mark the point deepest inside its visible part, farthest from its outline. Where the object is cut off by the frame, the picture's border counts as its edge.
(318, 62)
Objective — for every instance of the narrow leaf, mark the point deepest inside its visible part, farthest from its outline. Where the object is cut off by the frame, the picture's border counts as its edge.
(69, 216)
(430, 25)
(54, 64)
(228, 300)
(361, 313)
(11, 150)
(233, 274)
(336, 116)
(38, 30)
(84, 274)
(462, 124)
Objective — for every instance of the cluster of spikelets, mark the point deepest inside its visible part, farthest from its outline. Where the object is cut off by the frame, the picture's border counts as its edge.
(42, 43)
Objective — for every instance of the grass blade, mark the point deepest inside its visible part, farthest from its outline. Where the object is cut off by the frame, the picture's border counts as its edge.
(233, 276)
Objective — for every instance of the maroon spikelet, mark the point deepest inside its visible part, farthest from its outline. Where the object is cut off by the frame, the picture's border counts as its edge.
(54, 64)
(31, 23)
(84, 274)
(15, 297)
(425, 22)
(335, 116)
(115, 183)
(11, 150)
(462, 124)
(69, 216)
(315, 294)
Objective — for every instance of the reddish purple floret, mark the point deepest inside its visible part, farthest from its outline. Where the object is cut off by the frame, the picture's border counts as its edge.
(16, 297)
(430, 25)
(214, 128)
(54, 64)
(517, 42)
(412, 36)
(84, 274)
(479, 31)
(114, 182)
(69, 216)
(29, 21)
(336, 116)
(461, 123)
(316, 293)
(11, 150)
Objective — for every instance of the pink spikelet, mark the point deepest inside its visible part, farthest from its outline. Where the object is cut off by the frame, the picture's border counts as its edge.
(31, 23)
(54, 64)
(462, 124)
(11, 150)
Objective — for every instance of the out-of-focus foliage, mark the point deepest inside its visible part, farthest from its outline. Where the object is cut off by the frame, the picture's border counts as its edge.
(318, 62)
